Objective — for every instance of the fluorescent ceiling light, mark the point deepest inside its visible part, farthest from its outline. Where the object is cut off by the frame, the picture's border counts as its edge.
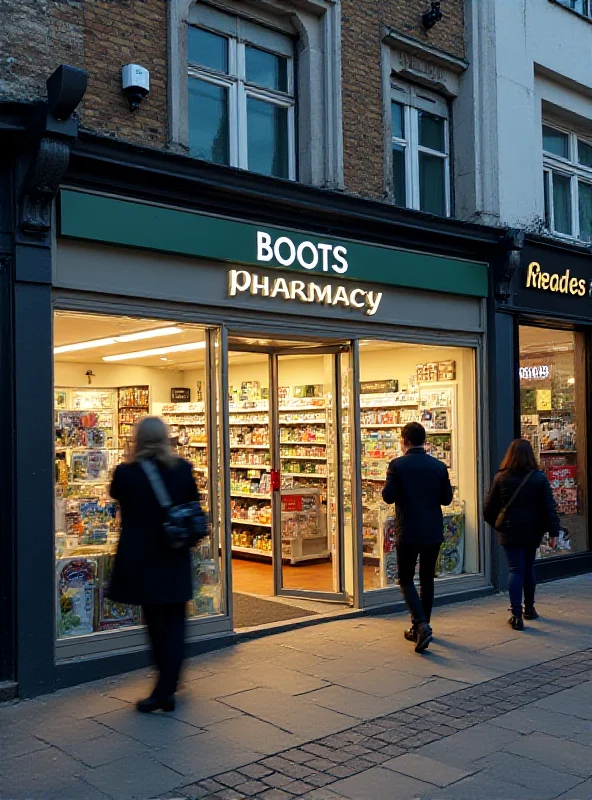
(125, 337)
(157, 351)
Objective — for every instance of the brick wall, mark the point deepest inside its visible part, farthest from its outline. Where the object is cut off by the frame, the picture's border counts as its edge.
(363, 123)
(118, 33)
(103, 35)
(99, 36)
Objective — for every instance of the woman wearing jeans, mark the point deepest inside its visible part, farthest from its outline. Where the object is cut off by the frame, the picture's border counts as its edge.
(521, 506)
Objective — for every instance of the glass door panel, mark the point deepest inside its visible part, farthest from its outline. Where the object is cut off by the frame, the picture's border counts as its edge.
(308, 512)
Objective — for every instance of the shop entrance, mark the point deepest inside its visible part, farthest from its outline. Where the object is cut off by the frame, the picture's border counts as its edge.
(286, 437)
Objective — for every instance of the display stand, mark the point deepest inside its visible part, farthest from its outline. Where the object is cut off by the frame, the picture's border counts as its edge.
(304, 526)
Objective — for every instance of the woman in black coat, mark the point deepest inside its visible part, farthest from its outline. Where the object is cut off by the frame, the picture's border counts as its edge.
(147, 572)
(530, 514)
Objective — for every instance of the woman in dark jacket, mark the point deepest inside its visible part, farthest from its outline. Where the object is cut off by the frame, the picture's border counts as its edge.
(147, 572)
(531, 513)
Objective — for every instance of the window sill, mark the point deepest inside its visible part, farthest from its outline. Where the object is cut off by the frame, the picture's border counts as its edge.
(572, 11)
(565, 239)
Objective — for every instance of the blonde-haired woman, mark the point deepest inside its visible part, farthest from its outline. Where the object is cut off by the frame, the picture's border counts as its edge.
(147, 572)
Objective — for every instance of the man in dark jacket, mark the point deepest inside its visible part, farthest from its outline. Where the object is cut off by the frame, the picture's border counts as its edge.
(419, 486)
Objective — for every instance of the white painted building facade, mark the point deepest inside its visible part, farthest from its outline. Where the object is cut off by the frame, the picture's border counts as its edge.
(524, 125)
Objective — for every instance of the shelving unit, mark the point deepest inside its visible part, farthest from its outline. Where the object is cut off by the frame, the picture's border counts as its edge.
(132, 404)
(187, 423)
(432, 404)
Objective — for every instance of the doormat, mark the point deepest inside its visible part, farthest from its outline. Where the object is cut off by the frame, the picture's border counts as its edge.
(250, 611)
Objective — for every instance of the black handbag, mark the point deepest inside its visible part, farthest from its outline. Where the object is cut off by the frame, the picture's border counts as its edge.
(501, 519)
(184, 525)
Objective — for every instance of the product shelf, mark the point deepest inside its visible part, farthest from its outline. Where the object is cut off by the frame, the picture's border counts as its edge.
(262, 467)
(249, 447)
(251, 522)
(309, 443)
(251, 494)
(285, 457)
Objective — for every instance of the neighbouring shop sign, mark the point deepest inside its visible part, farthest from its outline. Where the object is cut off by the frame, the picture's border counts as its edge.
(553, 280)
(241, 281)
(560, 283)
(535, 373)
(134, 224)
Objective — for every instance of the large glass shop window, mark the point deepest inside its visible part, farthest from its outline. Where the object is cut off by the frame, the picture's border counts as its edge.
(109, 372)
(553, 418)
(435, 386)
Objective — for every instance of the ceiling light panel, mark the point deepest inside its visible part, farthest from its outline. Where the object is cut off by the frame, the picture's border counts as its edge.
(122, 339)
(157, 351)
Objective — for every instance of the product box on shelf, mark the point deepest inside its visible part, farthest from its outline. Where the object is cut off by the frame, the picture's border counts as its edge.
(76, 595)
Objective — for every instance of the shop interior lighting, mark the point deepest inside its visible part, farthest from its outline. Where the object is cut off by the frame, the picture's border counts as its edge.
(571, 381)
(157, 351)
(125, 337)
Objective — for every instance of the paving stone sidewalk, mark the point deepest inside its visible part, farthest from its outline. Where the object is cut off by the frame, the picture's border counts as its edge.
(342, 710)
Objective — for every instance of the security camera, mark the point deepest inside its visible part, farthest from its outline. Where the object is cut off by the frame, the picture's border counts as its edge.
(135, 81)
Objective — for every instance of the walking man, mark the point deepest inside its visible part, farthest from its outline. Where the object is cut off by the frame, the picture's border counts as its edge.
(418, 485)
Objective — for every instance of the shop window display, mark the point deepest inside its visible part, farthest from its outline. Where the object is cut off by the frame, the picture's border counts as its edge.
(106, 378)
(553, 419)
(403, 383)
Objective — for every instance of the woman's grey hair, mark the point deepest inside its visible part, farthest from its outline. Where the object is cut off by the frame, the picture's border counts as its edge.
(151, 440)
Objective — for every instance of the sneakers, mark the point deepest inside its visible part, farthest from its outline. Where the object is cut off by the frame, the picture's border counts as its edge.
(530, 613)
(424, 637)
(516, 623)
(411, 634)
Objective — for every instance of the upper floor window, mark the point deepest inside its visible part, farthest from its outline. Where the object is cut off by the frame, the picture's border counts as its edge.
(420, 150)
(567, 175)
(241, 95)
(583, 7)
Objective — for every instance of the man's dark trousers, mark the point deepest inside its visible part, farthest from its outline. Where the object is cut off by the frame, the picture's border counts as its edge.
(407, 555)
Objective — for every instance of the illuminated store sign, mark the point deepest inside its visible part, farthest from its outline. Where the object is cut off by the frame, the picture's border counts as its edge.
(306, 254)
(240, 281)
(555, 282)
(535, 373)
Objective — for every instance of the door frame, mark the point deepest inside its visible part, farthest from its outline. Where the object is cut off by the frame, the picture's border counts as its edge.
(339, 596)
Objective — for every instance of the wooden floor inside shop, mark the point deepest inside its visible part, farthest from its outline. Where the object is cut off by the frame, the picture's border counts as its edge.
(256, 577)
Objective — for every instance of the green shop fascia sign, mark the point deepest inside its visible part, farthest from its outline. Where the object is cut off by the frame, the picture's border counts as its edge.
(132, 224)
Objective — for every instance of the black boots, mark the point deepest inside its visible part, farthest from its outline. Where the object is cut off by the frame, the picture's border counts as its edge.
(516, 623)
(411, 634)
(530, 613)
(424, 637)
(152, 703)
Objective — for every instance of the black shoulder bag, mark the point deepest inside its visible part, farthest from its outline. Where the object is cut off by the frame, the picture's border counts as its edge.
(184, 525)
(500, 520)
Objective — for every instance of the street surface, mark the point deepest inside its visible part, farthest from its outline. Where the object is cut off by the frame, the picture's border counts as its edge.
(340, 710)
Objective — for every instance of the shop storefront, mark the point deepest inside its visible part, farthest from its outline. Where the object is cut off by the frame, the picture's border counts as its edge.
(286, 365)
(547, 315)
(286, 358)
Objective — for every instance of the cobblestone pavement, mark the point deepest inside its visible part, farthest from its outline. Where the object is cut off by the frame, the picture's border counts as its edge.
(341, 710)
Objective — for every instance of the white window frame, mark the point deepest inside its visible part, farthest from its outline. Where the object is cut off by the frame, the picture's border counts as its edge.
(239, 90)
(415, 99)
(586, 7)
(568, 168)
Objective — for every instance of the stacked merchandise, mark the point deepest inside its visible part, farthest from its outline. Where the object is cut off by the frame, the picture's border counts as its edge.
(87, 526)
(132, 404)
(187, 425)
(385, 410)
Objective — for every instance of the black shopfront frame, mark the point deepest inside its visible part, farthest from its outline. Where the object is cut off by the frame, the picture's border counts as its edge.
(550, 287)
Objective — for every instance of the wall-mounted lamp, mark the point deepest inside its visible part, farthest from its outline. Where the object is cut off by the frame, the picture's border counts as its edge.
(431, 17)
